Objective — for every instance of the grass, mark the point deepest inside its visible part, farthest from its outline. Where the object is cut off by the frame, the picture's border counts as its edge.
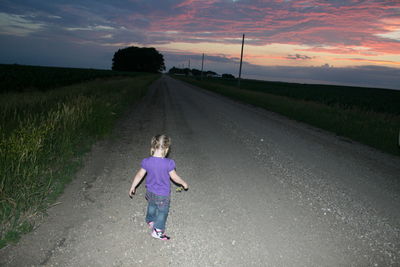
(355, 121)
(43, 137)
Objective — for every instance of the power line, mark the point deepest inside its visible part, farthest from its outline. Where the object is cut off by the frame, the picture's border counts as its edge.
(202, 64)
(241, 59)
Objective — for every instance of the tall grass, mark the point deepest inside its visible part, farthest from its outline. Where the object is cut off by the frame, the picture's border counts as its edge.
(376, 129)
(42, 135)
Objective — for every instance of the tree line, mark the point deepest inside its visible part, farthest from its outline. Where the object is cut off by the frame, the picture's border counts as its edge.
(196, 72)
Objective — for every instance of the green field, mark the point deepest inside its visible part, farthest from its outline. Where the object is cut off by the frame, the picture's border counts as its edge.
(44, 135)
(368, 99)
(33, 78)
(366, 115)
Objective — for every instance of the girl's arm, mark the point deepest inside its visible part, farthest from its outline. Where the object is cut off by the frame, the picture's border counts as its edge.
(175, 177)
(138, 177)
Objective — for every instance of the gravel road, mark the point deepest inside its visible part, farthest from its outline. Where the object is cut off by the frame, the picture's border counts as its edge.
(264, 191)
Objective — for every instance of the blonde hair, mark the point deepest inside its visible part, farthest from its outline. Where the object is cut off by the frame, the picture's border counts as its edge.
(162, 142)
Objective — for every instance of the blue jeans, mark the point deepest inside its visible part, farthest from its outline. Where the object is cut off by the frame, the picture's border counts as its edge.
(157, 209)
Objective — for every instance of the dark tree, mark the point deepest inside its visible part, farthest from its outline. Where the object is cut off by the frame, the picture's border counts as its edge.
(211, 73)
(228, 76)
(196, 72)
(185, 71)
(141, 59)
(175, 70)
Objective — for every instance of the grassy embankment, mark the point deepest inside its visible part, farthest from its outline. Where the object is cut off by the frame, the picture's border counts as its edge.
(366, 115)
(44, 136)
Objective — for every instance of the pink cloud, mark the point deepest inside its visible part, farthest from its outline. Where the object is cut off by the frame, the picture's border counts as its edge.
(313, 23)
(386, 62)
(342, 50)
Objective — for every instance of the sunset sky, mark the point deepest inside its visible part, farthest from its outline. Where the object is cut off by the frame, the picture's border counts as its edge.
(336, 42)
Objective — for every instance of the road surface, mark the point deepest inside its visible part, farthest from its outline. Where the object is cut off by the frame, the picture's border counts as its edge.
(264, 191)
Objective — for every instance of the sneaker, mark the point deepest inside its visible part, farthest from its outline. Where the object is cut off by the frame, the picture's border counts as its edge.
(150, 224)
(159, 234)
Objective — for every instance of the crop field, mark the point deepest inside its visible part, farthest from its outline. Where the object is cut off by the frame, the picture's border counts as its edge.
(366, 115)
(368, 99)
(32, 78)
(43, 136)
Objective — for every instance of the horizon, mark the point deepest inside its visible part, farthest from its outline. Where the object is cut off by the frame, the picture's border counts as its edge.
(342, 42)
(315, 82)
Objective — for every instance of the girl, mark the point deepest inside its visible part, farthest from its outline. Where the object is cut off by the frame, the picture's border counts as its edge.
(159, 170)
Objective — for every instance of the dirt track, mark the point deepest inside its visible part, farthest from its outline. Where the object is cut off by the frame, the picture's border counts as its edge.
(264, 191)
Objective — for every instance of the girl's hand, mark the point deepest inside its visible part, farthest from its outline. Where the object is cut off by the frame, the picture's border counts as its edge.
(132, 192)
(138, 177)
(185, 186)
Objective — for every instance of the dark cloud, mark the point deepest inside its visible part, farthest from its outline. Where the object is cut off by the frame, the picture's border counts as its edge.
(295, 22)
(197, 57)
(298, 57)
(54, 52)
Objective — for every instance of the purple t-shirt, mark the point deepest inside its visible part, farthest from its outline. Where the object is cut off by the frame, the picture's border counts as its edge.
(157, 180)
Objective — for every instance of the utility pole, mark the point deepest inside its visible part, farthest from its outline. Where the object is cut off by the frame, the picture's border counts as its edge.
(241, 59)
(202, 64)
(189, 64)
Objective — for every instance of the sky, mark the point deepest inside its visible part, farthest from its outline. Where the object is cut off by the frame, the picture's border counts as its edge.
(349, 42)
